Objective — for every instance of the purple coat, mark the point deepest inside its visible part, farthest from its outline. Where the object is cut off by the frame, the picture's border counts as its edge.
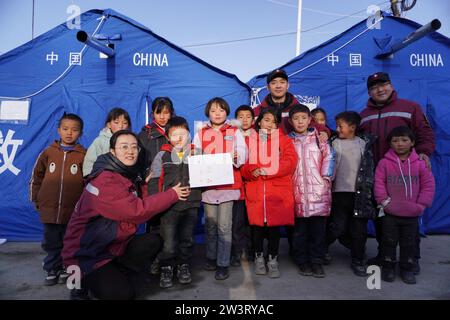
(409, 184)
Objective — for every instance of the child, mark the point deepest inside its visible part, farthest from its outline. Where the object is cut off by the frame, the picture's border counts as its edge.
(312, 191)
(152, 137)
(218, 136)
(170, 167)
(352, 202)
(55, 186)
(241, 240)
(117, 119)
(404, 187)
(319, 115)
(269, 191)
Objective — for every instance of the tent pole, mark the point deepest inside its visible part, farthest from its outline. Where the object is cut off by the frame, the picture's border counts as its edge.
(299, 27)
(32, 22)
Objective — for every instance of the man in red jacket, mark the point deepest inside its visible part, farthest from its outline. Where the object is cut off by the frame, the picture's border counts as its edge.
(385, 111)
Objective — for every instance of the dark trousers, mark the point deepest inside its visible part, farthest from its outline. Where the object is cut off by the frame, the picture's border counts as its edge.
(378, 224)
(114, 281)
(52, 244)
(177, 232)
(272, 234)
(240, 240)
(403, 231)
(342, 223)
(309, 240)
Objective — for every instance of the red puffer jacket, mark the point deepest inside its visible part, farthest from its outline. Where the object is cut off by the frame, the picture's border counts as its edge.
(270, 198)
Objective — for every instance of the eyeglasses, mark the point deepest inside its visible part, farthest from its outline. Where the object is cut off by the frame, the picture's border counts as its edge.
(124, 148)
(379, 85)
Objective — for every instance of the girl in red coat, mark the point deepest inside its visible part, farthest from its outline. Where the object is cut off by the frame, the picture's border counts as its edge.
(269, 190)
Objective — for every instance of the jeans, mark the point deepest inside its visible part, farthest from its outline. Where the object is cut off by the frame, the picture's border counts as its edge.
(403, 231)
(177, 231)
(52, 244)
(218, 224)
(241, 229)
(309, 240)
(342, 222)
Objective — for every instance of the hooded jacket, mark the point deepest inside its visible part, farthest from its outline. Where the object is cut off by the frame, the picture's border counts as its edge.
(313, 174)
(270, 198)
(106, 216)
(409, 185)
(283, 111)
(380, 120)
(57, 182)
(99, 146)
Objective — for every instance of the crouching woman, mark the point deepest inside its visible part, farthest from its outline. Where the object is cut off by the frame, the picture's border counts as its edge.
(101, 236)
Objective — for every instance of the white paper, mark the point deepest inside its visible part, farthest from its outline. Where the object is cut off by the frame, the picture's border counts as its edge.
(210, 170)
(14, 110)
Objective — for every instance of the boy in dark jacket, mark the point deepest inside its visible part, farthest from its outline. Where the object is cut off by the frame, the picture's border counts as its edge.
(352, 202)
(170, 167)
(55, 187)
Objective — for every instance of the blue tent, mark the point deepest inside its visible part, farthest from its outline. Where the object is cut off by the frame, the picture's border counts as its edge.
(333, 75)
(51, 77)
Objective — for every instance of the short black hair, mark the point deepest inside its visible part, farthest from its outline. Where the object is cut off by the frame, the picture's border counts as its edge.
(351, 117)
(264, 111)
(296, 108)
(160, 103)
(115, 113)
(117, 134)
(176, 122)
(221, 102)
(318, 110)
(401, 131)
(244, 107)
(71, 116)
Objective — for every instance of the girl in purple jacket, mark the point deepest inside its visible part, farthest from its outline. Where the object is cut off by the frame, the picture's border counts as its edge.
(404, 187)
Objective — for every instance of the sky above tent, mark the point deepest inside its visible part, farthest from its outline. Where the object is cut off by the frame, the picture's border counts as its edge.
(245, 38)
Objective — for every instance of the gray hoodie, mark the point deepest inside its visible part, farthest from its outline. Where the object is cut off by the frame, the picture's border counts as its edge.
(98, 147)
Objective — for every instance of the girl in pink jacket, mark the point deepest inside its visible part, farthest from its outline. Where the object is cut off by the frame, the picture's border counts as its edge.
(312, 192)
(404, 187)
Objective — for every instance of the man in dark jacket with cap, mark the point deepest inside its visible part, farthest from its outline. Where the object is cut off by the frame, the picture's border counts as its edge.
(385, 111)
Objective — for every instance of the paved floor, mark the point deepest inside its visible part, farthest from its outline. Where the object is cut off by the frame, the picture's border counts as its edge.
(21, 277)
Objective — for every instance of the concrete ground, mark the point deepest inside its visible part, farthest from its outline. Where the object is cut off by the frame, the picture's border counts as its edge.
(21, 277)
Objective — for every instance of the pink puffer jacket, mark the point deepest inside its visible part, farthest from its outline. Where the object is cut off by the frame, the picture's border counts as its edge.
(313, 175)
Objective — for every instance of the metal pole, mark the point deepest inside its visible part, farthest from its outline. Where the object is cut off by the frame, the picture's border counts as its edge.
(299, 27)
(32, 23)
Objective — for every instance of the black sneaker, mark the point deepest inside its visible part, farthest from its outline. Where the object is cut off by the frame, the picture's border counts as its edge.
(222, 273)
(317, 270)
(358, 268)
(375, 261)
(52, 278)
(154, 268)
(166, 276)
(184, 274)
(408, 276)
(235, 261)
(210, 265)
(415, 267)
(305, 269)
(388, 274)
(79, 294)
(62, 276)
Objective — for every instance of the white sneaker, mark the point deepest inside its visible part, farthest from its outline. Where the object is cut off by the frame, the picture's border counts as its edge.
(272, 265)
(260, 264)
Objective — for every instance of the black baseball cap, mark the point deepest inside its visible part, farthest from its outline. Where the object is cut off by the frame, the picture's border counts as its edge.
(378, 77)
(278, 73)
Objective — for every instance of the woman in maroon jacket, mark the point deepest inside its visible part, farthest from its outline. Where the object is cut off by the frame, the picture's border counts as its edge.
(101, 236)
